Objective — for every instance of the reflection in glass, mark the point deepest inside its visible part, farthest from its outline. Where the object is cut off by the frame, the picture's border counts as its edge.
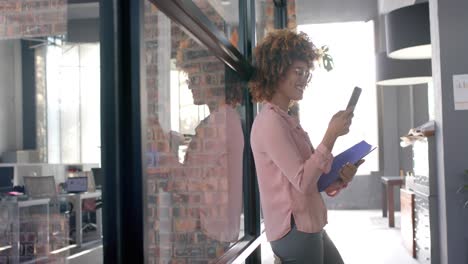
(195, 145)
(215, 151)
(224, 14)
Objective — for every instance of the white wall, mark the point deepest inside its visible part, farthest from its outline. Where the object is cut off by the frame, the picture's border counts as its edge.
(329, 11)
(449, 39)
(10, 96)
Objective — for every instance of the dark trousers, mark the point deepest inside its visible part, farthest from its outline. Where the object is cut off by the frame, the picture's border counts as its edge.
(299, 247)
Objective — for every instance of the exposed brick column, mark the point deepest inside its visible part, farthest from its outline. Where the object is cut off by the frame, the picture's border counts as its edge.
(270, 15)
(32, 18)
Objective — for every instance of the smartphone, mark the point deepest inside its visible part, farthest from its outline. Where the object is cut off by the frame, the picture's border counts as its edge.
(354, 98)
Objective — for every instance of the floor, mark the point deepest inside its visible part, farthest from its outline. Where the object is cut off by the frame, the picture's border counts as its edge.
(362, 237)
(90, 256)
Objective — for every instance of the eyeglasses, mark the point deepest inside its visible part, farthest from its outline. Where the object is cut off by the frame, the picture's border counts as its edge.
(205, 79)
(303, 73)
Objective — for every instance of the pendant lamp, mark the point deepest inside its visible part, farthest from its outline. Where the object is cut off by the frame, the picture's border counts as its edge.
(408, 32)
(391, 72)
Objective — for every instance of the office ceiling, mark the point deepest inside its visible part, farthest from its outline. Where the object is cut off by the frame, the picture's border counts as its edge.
(308, 11)
(329, 11)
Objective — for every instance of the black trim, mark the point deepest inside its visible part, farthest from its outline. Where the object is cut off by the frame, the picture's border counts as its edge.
(28, 77)
(247, 246)
(251, 196)
(189, 16)
(236, 250)
(109, 113)
(281, 13)
(121, 129)
(132, 167)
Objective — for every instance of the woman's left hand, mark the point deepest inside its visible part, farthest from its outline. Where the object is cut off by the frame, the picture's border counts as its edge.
(348, 171)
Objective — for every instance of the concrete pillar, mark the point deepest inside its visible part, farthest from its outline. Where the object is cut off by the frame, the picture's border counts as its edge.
(449, 37)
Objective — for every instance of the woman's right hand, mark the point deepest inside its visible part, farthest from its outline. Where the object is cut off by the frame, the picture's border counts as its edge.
(340, 122)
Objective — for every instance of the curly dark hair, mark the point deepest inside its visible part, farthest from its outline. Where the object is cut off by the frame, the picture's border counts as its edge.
(273, 55)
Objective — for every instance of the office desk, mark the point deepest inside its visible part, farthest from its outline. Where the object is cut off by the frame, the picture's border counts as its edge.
(76, 199)
(388, 200)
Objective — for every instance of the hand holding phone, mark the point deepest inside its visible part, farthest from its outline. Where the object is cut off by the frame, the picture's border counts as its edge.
(354, 98)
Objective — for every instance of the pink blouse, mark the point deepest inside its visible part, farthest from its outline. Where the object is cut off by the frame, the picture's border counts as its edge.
(214, 156)
(288, 169)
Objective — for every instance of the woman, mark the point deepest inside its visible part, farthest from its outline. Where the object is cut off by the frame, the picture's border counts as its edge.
(288, 167)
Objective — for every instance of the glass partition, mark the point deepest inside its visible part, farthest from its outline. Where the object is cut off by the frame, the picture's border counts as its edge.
(193, 116)
(50, 139)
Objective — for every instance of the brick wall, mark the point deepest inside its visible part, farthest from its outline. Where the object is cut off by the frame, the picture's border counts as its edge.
(35, 232)
(32, 18)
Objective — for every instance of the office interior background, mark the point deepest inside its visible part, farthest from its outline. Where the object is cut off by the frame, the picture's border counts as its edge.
(124, 128)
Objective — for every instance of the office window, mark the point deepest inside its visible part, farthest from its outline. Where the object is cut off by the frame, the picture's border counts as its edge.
(351, 45)
(73, 103)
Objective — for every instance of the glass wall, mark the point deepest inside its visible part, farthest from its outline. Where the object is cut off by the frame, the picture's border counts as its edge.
(193, 114)
(50, 132)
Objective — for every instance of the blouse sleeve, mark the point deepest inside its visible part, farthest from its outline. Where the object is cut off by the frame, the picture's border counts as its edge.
(279, 145)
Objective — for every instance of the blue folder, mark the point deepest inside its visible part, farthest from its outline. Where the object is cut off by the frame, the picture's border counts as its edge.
(351, 155)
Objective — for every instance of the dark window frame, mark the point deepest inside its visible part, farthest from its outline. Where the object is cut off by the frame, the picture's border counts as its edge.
(121, 132)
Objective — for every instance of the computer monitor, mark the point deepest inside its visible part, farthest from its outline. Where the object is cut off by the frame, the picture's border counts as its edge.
(98, 180)
(77, 184)
(6, 179)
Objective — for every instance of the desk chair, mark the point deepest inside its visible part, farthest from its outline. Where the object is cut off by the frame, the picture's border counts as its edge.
(37, 187)
(97, 174)
(90, 206)
(94, 205)
(98, 182)
(95, 183)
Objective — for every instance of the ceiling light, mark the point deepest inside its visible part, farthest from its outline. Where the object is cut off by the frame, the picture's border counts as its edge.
(408, 32)
(391, 72)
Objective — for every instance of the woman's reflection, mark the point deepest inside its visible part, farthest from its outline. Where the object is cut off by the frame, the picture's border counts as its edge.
(207, 186)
